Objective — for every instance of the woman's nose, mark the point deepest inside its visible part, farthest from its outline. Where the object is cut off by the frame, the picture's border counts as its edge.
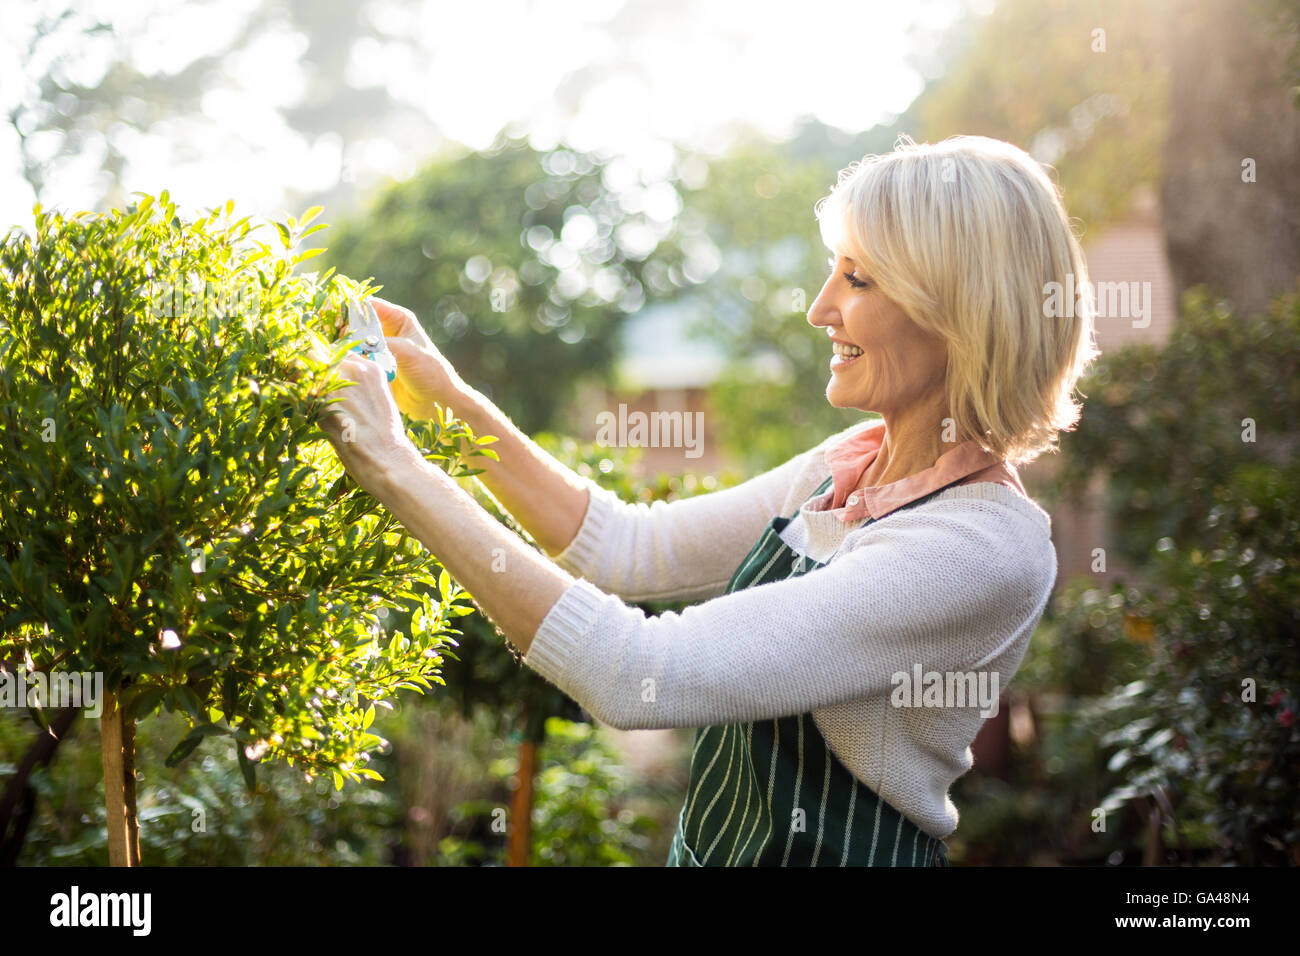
(821, 314)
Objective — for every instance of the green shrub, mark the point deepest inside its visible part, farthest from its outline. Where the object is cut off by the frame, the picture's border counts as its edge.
(1211, 723)
(1183, 674)
(172, 514)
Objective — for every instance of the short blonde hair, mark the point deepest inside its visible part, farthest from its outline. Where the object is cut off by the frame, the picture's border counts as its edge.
(967, 237)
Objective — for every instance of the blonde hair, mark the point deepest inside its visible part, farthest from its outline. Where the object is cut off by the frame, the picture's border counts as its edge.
(968, 236)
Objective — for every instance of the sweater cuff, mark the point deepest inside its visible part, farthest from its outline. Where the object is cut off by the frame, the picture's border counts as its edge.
(579, 556)
(566, 626)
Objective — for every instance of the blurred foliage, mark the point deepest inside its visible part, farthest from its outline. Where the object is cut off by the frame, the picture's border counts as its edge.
(88, 93)
(581, 812)
(1284, 18)
(1099, 116)
(751, 234)
(1171, 692)
(173, 516)
(198, 813)
(521, 265)
(588, 809)
(1210, 723)
(63, 106)
(1170, 425)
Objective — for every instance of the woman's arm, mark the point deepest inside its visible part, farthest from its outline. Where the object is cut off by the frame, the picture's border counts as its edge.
(511, 581)
(947, 587)
(950, 588)
(679, 550)
(682, 550)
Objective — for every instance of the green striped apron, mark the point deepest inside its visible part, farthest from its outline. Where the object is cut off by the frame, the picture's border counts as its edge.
(771, 793)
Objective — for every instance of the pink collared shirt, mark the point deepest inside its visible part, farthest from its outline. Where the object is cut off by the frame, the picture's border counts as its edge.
(849, 460)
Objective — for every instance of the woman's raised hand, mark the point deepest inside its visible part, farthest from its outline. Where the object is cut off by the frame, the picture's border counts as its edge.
(424, 376)
(541, 493)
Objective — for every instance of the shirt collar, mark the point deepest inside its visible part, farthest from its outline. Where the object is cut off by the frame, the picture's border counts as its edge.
(850, 458)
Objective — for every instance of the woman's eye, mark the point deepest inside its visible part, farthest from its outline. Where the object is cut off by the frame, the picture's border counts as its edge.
(852, 279)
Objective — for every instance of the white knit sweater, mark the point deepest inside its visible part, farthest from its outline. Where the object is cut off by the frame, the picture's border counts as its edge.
(955, 584)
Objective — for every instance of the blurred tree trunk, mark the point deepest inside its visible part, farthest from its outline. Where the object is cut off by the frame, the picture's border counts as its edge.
(992, 745)
(18, 801)
(438, 772)
(1230, 103)
(519, 850)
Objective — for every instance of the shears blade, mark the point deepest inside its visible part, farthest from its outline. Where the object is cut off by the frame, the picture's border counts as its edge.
(365, 327)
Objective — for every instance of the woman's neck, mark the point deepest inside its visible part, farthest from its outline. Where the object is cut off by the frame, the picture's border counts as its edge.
(913, 442)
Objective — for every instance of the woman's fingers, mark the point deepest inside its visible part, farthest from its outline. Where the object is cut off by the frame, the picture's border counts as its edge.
(408, 354)
(424, 377)
(398, 321)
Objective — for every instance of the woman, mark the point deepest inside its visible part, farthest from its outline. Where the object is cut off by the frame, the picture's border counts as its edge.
(836, 708)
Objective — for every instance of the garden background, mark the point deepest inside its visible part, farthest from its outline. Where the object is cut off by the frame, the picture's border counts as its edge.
(602, 250)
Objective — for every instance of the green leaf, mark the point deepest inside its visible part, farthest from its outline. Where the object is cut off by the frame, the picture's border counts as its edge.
(143, 700)
(186, 747)
(188, 701)
(38, 715)
(229, 693)
(246, 766)
(178, 454)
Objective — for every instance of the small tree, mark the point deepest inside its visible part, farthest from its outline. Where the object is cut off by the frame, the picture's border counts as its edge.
(172, 517)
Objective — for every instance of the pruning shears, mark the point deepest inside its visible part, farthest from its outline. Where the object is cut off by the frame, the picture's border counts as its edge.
(364, 326)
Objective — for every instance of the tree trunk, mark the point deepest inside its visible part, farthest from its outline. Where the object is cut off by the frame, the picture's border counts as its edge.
(1237, 229)
(1153, 854)
(117, 737)
(519, 846)
(18, 802)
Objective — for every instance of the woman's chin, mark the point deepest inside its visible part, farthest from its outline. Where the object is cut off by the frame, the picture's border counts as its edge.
(839, 397)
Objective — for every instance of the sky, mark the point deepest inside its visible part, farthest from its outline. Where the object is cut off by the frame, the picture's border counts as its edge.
(628, 77)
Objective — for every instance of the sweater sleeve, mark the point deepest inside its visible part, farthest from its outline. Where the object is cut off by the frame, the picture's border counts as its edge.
(947, 587)
(678, 550)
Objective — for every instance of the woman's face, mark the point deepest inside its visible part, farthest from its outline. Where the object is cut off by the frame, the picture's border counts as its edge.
(899, 364)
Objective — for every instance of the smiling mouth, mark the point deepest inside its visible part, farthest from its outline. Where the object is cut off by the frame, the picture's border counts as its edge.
(844, 355)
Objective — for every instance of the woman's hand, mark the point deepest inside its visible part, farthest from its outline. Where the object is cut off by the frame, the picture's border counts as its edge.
(424, 376)
(540, 492)
(365, 426)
